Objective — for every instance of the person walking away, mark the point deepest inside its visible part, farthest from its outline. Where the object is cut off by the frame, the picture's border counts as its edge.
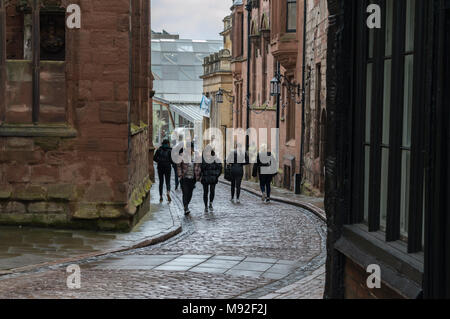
(237, 160)
(174, 166)
(265, 180)
(189, 173)
(210, 177)
(163, 157)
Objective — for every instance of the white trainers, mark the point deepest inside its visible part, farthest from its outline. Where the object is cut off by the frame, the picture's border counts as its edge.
(263, 197)
(238, 201)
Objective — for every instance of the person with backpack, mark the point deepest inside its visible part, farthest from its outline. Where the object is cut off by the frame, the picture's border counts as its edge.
(265, 179)
(163, 157)
(210, 177)
(189, 173)
(235, 164)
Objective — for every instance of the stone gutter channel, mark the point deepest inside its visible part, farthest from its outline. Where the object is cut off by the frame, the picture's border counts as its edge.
(319, 212)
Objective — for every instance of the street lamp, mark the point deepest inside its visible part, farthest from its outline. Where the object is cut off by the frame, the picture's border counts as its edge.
(275, 86)
(219, 96)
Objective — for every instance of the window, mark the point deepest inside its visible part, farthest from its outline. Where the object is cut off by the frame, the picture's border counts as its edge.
(291, 15)
(264, 52)
(385, 78)
(33, 68)
(238, 34)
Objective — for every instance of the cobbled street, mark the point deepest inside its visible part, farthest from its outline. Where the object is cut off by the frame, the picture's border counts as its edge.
(247, 250)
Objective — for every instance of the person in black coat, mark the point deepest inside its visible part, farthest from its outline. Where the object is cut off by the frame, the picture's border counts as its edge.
(163, 157)
(237, 161)
(265, 180)
(210, 177)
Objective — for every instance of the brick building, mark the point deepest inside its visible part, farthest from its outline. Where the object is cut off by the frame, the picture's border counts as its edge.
(275, 41)
(75, 145)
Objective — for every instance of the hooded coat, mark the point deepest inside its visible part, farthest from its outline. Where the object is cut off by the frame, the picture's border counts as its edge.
(210, 172)
(163, 157)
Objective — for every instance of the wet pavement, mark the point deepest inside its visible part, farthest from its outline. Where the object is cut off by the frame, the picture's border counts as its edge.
(247, 250)
(21, 247)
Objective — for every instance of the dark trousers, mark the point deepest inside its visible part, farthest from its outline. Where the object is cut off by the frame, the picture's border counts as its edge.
(187, 187)
(264, 182)
(177, 181)
(211, 188)
(236, 186)
(164, 174)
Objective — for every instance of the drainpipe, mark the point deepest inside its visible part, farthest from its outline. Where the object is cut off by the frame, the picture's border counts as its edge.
(248, 7)
(299, 179)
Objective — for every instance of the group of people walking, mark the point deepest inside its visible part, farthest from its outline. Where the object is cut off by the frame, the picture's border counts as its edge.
(188, 173)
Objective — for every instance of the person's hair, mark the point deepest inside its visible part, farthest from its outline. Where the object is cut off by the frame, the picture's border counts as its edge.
(166, 142)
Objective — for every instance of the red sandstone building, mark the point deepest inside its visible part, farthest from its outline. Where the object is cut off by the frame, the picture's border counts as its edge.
(74, 114)
(277, 36)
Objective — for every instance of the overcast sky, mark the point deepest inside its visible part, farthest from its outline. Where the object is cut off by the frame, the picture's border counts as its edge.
(191, 19)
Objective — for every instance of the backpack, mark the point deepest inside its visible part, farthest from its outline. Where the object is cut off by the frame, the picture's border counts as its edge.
(164, 157)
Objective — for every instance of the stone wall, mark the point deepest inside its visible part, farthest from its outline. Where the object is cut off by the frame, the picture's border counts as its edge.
(80, 171)
(315, 104)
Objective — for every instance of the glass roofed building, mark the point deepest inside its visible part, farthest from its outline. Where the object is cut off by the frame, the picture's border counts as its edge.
(177, 65)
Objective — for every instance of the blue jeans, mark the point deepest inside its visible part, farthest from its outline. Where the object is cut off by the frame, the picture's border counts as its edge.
(264, 183)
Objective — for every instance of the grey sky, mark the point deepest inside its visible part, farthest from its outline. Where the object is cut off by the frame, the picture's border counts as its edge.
(192, 19)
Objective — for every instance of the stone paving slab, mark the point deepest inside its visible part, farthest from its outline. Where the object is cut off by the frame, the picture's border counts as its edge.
(22, 248)
(310, 287)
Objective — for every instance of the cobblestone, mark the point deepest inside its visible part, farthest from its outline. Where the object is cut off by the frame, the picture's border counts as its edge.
(251, 250)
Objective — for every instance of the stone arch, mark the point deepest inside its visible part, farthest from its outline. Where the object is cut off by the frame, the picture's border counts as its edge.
(265, 25)
(254, 30)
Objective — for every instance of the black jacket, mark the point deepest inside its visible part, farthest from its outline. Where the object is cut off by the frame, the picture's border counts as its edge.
(259, 164)
(210, 172)
(163, 157)
(237, 169)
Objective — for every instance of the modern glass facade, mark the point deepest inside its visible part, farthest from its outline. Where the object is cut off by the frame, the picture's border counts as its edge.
(177, 66)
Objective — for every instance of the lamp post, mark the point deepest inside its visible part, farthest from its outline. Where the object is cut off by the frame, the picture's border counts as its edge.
(221, 93)
(275, 90)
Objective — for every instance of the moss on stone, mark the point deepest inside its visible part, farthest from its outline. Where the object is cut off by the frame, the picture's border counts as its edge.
(5, 192)
(86, 211)
(110, 213)
(47, 143)
(61, 192)
(30, 193)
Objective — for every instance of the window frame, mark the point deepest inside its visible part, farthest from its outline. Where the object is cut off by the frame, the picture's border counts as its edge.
(416, 173)
(288, 2)
(35, 7)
